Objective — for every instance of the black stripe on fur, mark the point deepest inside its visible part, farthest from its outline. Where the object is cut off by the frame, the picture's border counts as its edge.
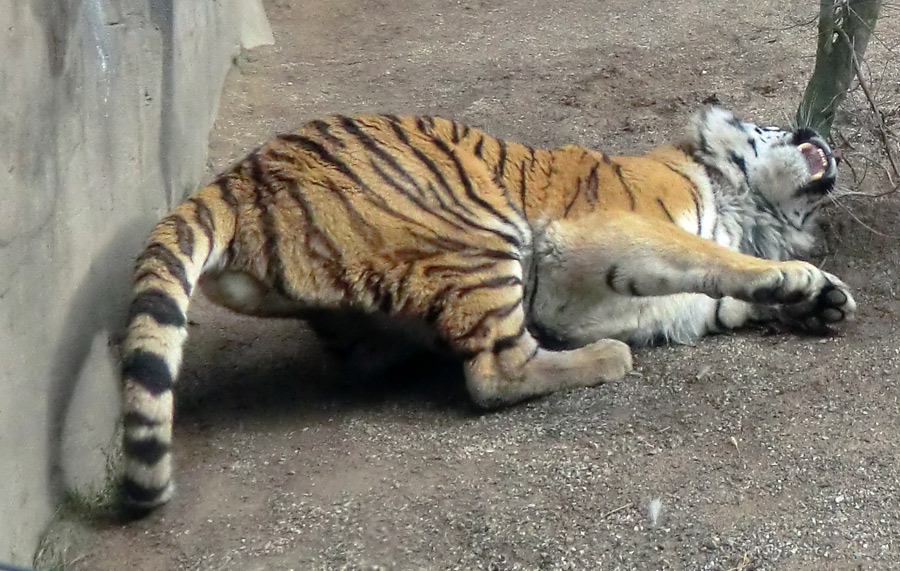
(141, 494)
(148, 451)
(149, 370)
(159, 305)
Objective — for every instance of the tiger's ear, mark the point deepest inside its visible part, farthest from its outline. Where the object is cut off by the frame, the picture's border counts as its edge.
(706, 122)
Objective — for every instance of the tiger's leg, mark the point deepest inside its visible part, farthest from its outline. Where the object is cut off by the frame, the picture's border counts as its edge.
(631, 255)
(730, 313)
(368, 347)
(504, 363)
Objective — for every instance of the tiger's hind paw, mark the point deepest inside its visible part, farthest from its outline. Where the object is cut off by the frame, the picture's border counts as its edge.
(613, 359)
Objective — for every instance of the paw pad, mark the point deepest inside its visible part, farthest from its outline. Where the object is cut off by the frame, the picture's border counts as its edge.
(833, 304)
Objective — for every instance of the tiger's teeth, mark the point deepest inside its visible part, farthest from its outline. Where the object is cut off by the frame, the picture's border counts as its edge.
(811, 152)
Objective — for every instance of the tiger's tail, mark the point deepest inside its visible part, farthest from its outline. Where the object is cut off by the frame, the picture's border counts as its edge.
(185, 244)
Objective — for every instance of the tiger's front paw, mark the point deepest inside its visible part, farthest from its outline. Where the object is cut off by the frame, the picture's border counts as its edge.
(832, 305)
(787, 283)
(806, 297)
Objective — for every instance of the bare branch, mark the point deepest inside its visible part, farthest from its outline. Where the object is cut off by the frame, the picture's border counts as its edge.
(879, 121)
(858, 221)
(800, 24)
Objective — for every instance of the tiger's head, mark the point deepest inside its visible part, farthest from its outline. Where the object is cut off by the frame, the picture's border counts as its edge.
(779, 178)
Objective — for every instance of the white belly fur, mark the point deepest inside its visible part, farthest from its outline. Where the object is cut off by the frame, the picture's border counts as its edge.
(679, 318)
(243, 293)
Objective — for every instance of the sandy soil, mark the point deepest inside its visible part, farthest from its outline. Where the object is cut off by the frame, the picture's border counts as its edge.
(762, 450)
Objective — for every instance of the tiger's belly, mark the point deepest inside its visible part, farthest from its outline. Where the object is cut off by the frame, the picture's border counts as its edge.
(243, 293)
(678, 318)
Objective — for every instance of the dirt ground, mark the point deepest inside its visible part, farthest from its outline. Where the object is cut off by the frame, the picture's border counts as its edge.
(749, 451)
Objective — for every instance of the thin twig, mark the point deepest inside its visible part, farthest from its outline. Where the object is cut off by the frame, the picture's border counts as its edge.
(871, 195)
(617, 510)
(743, 564)
(800, 24)
(857, 178)
(872, 33)
(849, 164)
(882, 130)
(860, 222)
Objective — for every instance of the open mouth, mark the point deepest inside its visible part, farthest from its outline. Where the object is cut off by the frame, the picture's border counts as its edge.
(817, 159)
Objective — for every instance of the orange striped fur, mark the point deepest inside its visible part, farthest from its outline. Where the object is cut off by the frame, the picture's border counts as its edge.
(498, 250)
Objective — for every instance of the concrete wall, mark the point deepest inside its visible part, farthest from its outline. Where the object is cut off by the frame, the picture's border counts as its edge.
(105, 106)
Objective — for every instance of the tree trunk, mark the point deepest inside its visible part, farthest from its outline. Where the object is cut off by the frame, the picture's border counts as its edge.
(844, 30)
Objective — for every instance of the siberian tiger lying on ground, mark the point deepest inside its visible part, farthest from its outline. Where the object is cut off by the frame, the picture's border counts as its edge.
(491, 249)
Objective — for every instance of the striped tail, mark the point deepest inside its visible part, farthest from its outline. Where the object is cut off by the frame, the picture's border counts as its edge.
(182, 246)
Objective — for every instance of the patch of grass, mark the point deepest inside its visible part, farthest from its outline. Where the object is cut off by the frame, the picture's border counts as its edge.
(62, 545)
(102, 501)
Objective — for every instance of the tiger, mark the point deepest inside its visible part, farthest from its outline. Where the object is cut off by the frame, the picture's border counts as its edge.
(536, 269)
